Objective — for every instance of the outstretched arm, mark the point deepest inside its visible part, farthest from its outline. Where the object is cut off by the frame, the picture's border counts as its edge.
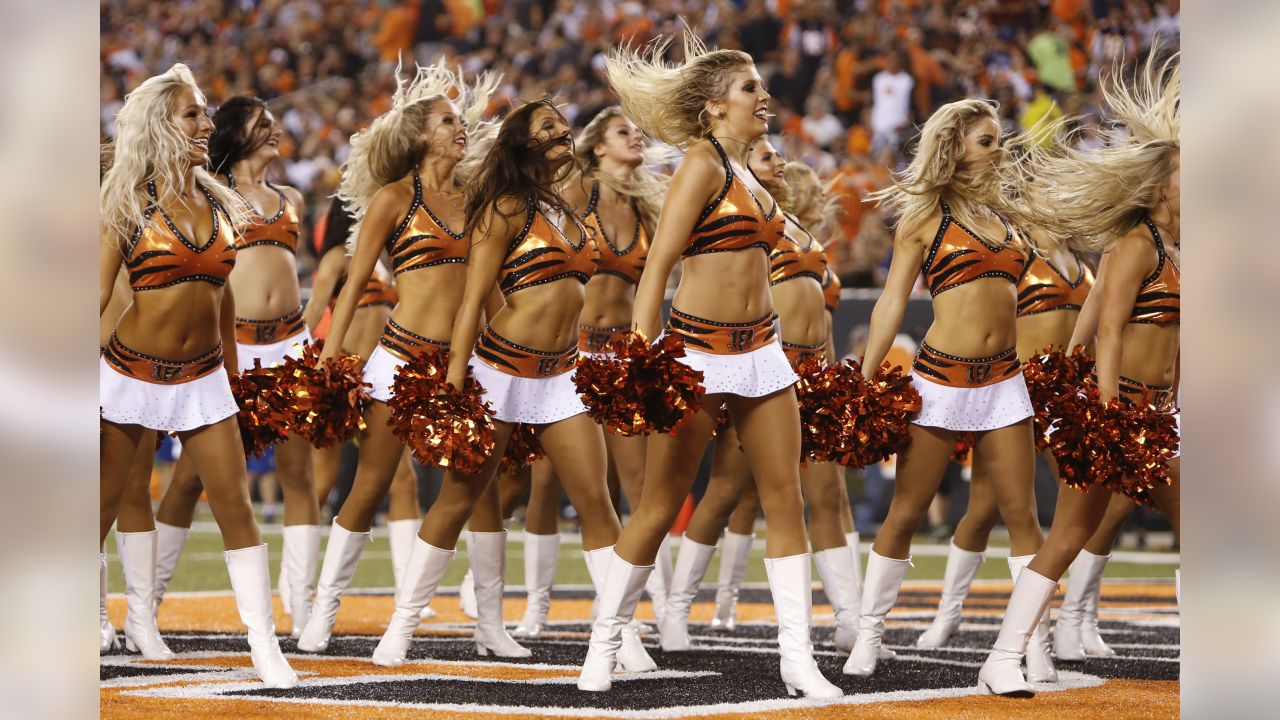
(886, 317)
(488, 248)
(377, 225)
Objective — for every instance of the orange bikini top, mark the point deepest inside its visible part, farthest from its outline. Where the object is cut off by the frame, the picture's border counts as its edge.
(831, 290)
(281, 230)
(735, 220)
(626, 264)
(1043, 289)
(377, 291)
(959, 256)
(159, 255)
(790, 259)
(423, 240)
(1160, 297)
(541, 253)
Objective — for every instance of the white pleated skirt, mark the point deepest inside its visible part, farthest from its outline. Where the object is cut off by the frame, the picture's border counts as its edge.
(271, 353)
(169, 408)
(380, 372)
(760, 372)
(535, 401)
(972, 409)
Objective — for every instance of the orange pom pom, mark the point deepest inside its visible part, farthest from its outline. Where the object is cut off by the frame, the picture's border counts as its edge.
(880, 414)
(1054, 377)
(440, 424)
(266, 406)
(642, 389)
(523, 450)
(825, 393)
(329, 396)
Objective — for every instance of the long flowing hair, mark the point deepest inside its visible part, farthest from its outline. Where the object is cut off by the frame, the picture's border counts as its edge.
(150, 147)
(666, 100)
(513, 169)
(935, 172)
(645, 187)
(392, 147)
(1098, 195)
(230, 142)
(812, 202)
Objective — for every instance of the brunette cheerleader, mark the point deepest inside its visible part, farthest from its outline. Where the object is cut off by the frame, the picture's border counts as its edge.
(713, 105)
(171, 224)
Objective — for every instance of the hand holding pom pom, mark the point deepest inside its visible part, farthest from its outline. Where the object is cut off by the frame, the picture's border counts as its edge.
(266, 403)
(1054, 377)
(880, 415)
(439, 423)
(642, 389)
(329, 396)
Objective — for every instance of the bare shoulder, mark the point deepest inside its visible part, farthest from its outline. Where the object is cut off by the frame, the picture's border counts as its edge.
(291, 194)
(392, 196)
(920, 229)
(577, 192)
(701, 161)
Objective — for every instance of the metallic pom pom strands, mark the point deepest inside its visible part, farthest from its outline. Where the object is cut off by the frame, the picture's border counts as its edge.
(642, 388)
(329, 396)
(266, 402)
(880, 413)
(440, 424)
(1052, 377)
(523, 450)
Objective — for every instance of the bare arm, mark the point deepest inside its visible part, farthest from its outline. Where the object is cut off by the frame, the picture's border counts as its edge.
(1129, 263)
(109, 260)
(488, 248)
(886, 317)
(331, 266)
(1087, 321)
(227, 322)
(378, 224)
(696, 181)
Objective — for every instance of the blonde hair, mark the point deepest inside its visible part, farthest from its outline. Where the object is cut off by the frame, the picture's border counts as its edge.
(1098, 195)
(391, 147)
(813, 203)
(668, 101)
(935, 174)
(150, 147)
(645, 187)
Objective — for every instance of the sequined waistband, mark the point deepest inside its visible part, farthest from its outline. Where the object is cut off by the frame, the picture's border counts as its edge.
(505, 356)
(719, 338)
(799, 353)
(593, 339)
(407, 345)
(156, 370)
(265, 332)
(961, 372)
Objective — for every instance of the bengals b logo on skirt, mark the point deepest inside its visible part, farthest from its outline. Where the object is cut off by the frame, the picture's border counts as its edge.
(166, 373)
(979, 374)
(740, 340)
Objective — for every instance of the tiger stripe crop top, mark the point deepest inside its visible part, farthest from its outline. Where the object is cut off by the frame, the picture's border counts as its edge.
(790, 259)
(735, 220)
(542, 253)
(1160, 297)
(831, 289)
(1043, 288)
(627, 264)
(159, 255)
(958, 256)
(280, 230)
(423, 240)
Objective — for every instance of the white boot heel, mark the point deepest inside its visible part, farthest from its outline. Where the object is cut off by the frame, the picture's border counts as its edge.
(1001, 674)
(488, 561)
(251, 583)
(1040, 667)
(423, 571)
(620, 591)
(879, 593)
(541, 556)
(791, 582)
(962, 567)
(340, 560)
(138, 557)
(735, 552)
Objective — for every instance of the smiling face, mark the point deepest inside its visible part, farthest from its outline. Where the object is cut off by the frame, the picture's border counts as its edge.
(622, 143)
(744, 109)
(767, 163)
(548, 129)
(262, 132)
(981, 144)
(444, 135)
(191, 117)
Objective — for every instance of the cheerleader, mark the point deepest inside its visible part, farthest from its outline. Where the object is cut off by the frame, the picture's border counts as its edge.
(722, 224)
(798, 265)
(401, 185)
(526, 241)
(269, 328)
(1052, 288)
(170, 223)
(967, 369)
(1129, 195)
(618, 200)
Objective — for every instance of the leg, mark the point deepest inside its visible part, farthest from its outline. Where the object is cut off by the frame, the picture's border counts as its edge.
(576, 449)
(135, 504)
(173, 521)
(1076, 635)
(820, 487)
(543, 514)
(735, 552)
(846, 509)
(404, 516)
(541, 548)
(268, 495)
(830, 552)
(1007, 458)
(512, 488)
(626, 455)
(1168, 498)
(297, 482)
(119, 445)
(980, 517)
(325, 464)
(488, 568)
(302, 529)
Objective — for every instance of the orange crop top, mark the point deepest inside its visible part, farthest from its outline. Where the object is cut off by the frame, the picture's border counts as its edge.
(790, 260)
(423, 240)
(831, 290)
(735, 220)
(160, 256)
(281, 230)
(541, 253)
(1042, 288)
(1160, 297)
(626, 264)
(959, 256)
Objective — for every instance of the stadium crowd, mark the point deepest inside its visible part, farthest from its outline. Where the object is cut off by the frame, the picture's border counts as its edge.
(850, 78)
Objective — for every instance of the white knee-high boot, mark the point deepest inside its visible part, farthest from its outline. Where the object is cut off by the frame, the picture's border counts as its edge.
(791, 583)
(962, 567)
(691, 566)
(107, 640)
(488, 563)
(401, 535)
(138, 557)
(659, 582)
(170, 539)
(623, 583)
(735, 552)
(1001, 674)
(301, 549)
(879, 594)
(839, 582)
(340, 560)
(251, 582)
(1090, 637)
(541, 555)
(423, 571)
(632, 655)
(855, 549)
(1039, 660)
(467, 589)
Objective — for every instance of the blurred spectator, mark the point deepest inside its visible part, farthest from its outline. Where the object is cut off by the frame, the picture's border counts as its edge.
(1051, 53)
(890, 103)
(819, 124)
(1041, 109)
